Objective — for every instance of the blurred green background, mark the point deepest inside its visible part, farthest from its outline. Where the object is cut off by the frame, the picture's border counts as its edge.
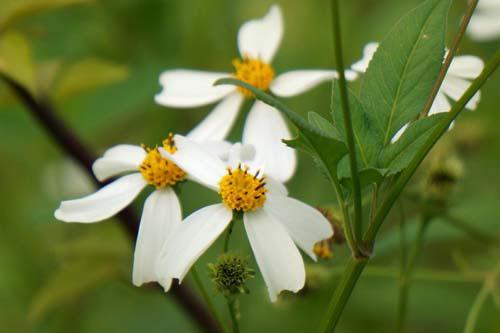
(100, 62)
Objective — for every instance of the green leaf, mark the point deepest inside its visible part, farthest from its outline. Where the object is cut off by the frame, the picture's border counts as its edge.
(404, 69)
(16, 60)
(397, 155)
(363, 128)
(323, 124)
(326, 148)
(367, 177)
(87, 75)
(14, 10)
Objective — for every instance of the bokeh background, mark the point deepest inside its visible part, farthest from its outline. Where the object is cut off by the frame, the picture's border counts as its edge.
(99, 62)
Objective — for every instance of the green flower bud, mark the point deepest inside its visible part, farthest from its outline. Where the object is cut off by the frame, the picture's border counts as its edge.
(230, 274)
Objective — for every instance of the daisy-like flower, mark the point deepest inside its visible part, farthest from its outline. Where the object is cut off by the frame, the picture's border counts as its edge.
(485, 23)
(462, 70)
(258, 41)
(161, 215)
(275, 224)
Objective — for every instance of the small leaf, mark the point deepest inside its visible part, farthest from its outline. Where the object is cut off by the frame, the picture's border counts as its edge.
(404, 69)
(367, 177)
(16, 60)
(321, 144)
(87, 75)
(397, 155)
(14, 10)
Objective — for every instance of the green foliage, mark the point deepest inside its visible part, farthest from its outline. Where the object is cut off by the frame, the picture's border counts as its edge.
(16, 59)
(404, 69)
(14, 10)
(87, 75)
(397, 155)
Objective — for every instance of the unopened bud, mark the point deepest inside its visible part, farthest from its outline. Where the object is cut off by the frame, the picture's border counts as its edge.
(230, 274)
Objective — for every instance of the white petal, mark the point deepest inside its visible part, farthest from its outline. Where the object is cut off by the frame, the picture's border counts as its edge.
(275, 187)
(296, 82)
(189, 88)
(240, 153)
(194, 236)
(466, 67)
(218, 148)
(440, 105)
(104, 203)
(117, 160)
(218, 123)
(399, 133)
(278, 258)
(201, 166)
(455, 87)
(260, 38)
(264, 129)
(362, 65)
(161, 216)
(484, 25)
(305, 224)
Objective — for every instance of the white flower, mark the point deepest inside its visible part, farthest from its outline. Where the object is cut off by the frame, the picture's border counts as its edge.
(457, 80)
(275, 224)
(161, 215)
(485, 23)
(258, 41)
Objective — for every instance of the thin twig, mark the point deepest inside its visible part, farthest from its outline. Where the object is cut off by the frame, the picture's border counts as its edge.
(73, 146)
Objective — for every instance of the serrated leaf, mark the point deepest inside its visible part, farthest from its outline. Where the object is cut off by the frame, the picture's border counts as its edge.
(328, 149)
(16, 60)
(397, 155)
(14, 10)
(404, 69)
(69, 283)
(87, 75)
(323, 124)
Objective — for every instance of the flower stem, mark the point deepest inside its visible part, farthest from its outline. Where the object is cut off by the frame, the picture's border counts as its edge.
(449, 57)
(231, 305)
(344, 101)
(342, 293)
(206, 297)
(228, 236)
(406, 275)
(475, 310)
(355, 267)
(67, 140)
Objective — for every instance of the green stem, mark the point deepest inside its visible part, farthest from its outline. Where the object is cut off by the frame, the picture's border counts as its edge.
(228, 236)
(342, 293)
(346, 221)
(475, 310)
(206, 297)
(406, 276)
(449, 57)
(234, 317)
(419, 156)
(344, 101)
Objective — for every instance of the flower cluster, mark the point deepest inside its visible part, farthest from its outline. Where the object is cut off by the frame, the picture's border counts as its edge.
(248, 176)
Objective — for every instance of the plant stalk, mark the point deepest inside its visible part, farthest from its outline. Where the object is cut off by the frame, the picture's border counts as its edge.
(344, 101)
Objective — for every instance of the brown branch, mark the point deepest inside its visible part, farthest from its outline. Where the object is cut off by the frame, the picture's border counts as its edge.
(43, 112)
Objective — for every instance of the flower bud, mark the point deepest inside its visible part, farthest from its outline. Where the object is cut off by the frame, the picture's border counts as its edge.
(230, 274)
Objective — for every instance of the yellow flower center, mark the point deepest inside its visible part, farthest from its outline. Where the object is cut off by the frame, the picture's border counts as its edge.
(255, 72)
(160, 171)
(242, 191)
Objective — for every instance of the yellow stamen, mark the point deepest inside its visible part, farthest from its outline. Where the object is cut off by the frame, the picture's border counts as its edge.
(255, 72)
(242, 191)
(160, 171)
(323, 249)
